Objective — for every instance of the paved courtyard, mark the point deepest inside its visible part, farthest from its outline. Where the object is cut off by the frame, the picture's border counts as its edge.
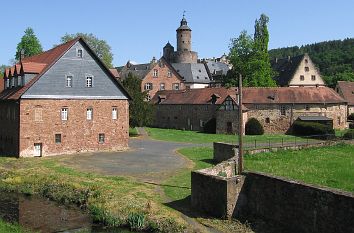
(147, 159)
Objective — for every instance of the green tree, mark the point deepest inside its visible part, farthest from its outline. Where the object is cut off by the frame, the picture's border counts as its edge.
(100, 47)
(250, 58)
(2, 70)
(140, 111)
(29, 44)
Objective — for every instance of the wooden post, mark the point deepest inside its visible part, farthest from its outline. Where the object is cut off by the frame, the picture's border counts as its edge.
(240, 120)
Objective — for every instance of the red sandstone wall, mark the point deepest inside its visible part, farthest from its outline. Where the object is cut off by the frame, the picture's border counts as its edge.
(78, 133)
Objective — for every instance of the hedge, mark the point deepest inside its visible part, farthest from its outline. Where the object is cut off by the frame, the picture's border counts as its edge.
(301, 128)
(253, 127)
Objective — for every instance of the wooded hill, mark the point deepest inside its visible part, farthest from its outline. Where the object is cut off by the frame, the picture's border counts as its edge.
(335, 58)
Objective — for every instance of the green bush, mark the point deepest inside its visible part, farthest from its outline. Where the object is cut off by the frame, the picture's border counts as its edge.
(136, 221)
(351, 117)
(349, 134)
(301, 128)
(351, 126)
(253, 127)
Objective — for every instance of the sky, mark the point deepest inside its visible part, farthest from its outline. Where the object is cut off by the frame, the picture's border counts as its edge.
(138, 30)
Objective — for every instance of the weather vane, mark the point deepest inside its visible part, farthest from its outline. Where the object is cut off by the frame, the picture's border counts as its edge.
(184, 13)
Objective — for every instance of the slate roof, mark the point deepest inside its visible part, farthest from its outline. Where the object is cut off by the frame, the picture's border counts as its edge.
(217, 68)
(138, 70)
(46, 60)
(286, 68)
(275, 95)
(192, 72)
(347, 91)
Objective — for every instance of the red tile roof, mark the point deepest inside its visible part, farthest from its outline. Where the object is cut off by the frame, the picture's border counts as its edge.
(43, 61)
(275, 95)
(347, 91)
(33, 67)
(114, 72)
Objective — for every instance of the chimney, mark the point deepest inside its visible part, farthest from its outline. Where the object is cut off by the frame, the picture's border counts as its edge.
(22, 54)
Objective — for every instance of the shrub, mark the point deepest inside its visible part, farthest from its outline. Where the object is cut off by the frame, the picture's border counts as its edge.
(253, 127)
(349, 134)
(351, 117)
(301, 128)
(136, 221)
(351, 125)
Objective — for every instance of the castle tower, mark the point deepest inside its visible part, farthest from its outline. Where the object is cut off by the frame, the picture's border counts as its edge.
(184, 36)
(168, 52)
(184, 53)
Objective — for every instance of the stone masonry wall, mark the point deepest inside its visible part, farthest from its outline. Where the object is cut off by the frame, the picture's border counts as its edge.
(295, 206)
(224, 151)
(77, 133)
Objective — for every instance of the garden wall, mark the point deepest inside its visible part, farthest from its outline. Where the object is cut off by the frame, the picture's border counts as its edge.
(290, 205)
(224, 151)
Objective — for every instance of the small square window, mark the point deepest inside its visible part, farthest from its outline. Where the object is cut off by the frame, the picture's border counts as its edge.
(89, 81)
(267, 120)
(79, 53)
(307, 107)
(162, 86)
(101, 138)
(169, 73)
(175, 86)
(307, 69)
(313, 77)
(57, 138)
(302, 78)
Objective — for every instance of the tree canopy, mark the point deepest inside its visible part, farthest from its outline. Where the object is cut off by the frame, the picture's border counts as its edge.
(100, 47)
(335, 59)
(140, 111)
(249, 57)
(29, 44)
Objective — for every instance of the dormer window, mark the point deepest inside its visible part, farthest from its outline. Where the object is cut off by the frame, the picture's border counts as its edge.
(79, 53)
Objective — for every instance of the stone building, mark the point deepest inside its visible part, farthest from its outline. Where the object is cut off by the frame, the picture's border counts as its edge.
(297, 71)
(275, 108)
(62, 101)
(155, 76)
(346, 90)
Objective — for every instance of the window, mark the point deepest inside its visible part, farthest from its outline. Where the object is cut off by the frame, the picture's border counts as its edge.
(267, 120)
(229, 105)
(162, 86)
(169, 73)
(307, 107)
(306, 61)
(148, 98)
(283, 110)
(114, 113)
(89, 81)
(148, 86)
(89, 113)
(38, 114)
(101, 138)
(69, 81)
(155, 73)
(79, 53)
(201, 123)
(302, 78)
(313, 77)
(57, 138)
(307, 69)
(64, 114)
(175, 86)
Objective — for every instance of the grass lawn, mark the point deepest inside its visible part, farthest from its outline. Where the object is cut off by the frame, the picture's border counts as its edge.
(11, 228)
(327, 166)
(109, 199)
(133, 132)
(197, 137)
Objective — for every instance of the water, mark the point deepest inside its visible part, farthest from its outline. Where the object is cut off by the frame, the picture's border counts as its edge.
(39, 214)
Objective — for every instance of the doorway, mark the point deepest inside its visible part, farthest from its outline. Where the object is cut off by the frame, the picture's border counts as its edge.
(37, 150)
